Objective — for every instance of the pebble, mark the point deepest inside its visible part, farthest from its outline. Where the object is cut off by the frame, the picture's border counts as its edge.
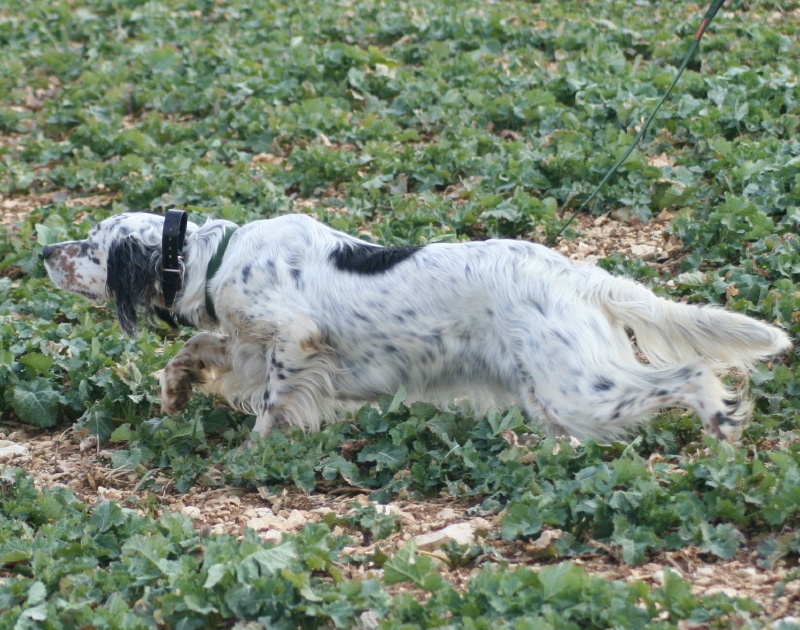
(445, 514)
(191, 511)
(10, 449)
(281, 522)
(461, 533)
(644, 252)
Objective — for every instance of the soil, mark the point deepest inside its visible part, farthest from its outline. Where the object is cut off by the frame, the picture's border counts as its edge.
(73, 459)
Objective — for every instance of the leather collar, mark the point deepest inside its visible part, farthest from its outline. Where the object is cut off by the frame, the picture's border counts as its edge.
(172, 239)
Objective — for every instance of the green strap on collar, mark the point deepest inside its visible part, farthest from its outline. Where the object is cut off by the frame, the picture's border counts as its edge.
(213, 268)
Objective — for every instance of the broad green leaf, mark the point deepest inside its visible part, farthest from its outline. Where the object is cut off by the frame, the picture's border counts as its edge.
(272, 560)
(521, 520)
(406, 565)
(215, 575)
(35, 402)
(398, 400)
(37, 362)
(106, 515)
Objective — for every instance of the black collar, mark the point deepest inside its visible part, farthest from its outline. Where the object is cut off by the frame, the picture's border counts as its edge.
(213, 268)
(171, 254)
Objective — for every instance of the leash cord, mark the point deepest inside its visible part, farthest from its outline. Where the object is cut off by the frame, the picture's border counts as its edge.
(712, 11)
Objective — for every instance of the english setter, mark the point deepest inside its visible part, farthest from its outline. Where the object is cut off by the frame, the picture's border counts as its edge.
(300, 318)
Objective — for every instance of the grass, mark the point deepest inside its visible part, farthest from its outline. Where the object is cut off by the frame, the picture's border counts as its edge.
(412, 122)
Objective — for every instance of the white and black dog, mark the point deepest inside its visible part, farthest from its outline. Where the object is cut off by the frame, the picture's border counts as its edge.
(305, 318)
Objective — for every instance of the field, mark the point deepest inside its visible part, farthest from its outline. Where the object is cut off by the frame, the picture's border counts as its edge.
(405, 123)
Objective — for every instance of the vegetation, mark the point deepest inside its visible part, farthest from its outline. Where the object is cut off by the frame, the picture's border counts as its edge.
(409, 122)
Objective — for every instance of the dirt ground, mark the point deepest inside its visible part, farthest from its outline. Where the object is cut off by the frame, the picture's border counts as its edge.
(74, 460)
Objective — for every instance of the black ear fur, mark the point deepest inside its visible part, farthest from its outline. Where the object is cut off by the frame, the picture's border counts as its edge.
(134, 275)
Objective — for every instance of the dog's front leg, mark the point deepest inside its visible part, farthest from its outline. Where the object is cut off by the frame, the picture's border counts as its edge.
(268, 411)
(205, 351)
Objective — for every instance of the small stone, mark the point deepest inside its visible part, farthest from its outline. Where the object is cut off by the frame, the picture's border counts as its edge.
(460, 533)
(545, 540)
(271, 535)
(446, 514)
(10, 449)
(191, 511)
(296, 519)
(87, 443)
(644, 252)
(262, 524)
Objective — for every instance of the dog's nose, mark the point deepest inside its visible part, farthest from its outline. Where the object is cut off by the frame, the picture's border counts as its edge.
(47, 251)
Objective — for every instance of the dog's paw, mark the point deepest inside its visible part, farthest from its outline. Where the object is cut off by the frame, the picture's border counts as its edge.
(176, 388)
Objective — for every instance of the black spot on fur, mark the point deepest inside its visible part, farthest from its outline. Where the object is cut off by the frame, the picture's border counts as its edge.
(563, 339)
(723, 419)
(246, 270)
(603, 384)
(368, 259)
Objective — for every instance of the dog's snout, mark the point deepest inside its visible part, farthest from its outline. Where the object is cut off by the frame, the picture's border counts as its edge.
(47, 251)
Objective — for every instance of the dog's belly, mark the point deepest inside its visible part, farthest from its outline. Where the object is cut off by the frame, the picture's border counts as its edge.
(430, 367)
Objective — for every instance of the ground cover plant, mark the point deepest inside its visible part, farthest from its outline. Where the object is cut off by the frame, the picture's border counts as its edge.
(406, 123)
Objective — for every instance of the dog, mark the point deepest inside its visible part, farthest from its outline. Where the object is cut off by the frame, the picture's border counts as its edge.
(300, 319)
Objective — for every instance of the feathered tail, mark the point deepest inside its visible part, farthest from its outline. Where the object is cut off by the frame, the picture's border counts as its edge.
(669, 332)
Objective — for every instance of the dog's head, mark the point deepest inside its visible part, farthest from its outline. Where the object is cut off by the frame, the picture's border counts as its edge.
(120, 260)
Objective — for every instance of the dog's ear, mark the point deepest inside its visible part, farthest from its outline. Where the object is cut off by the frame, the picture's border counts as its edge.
(134, 275)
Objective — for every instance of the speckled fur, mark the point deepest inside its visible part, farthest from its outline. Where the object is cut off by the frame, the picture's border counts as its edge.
(311, 318)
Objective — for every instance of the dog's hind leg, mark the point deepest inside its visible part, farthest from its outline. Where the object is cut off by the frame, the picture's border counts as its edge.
(606, 403)
(203, 352)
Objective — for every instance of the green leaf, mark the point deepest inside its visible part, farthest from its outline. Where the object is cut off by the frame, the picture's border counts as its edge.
(273, 560)
(123, 433)
(408, 566)
(195, 603)
(106, 515)
(520, 521)
(154, 548)
(48, 235)
(398, 400)
(37, 362)
(215, 575)
(36, 593)
(302, 582)
(35, 402)
(722, 540)
(393, 456)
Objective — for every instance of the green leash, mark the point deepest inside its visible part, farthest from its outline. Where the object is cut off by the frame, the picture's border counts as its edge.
(695, 42)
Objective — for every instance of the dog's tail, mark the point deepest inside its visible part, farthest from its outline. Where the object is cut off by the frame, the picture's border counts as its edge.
(669, 332)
